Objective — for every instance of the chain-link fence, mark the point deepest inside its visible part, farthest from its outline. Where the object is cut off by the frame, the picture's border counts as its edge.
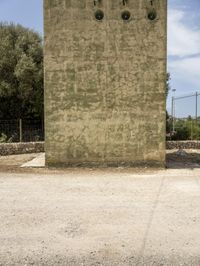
(184, 122)
(21, 130)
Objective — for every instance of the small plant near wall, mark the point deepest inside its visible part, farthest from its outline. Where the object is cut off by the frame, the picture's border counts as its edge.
(4, 138)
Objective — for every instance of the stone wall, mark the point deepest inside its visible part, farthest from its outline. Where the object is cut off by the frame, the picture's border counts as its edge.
(21, 148)
(105, 82)
(36, 147)
(191, 144)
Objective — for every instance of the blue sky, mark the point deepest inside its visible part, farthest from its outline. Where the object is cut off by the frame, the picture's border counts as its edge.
(183, 41)
(26, 12)
(184, 52)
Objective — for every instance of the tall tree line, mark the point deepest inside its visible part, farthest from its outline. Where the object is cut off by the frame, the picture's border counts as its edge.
(21, 73)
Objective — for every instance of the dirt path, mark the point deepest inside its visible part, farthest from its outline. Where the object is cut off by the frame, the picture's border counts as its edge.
(100, 217)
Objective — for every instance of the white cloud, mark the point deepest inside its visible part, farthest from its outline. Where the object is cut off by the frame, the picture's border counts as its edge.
(187, 70)
(182, 40)
(185, 74)
(184, 54)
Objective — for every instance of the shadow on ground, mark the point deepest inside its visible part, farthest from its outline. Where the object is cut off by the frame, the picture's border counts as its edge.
(187, 159)
(175, 159)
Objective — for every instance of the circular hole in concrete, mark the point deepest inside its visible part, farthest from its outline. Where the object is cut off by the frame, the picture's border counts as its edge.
(152, 15)
(126, 15)
(99, 15)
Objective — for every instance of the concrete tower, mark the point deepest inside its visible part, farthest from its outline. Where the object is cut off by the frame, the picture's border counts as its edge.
(105, 72)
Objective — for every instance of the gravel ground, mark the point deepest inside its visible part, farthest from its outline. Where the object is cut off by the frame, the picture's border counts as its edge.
(100, 217)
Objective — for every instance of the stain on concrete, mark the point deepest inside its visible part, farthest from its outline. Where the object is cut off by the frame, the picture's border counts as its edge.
(104, 83)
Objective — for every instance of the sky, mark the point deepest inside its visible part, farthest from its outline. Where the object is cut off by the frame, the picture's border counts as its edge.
(184, 53)
(183, 43)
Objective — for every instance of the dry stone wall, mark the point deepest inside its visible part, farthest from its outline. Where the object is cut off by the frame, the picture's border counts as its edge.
(21, 148)
(191, 144)
(37, 147)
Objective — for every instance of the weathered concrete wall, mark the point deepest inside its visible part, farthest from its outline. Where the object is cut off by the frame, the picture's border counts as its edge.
(21, 148)
(104, 82)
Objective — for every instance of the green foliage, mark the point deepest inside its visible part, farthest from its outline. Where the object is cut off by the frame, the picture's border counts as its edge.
(194, 130)
(182, 130)
(5, 139)
(168, 125)
(186, 129)
(21, 73)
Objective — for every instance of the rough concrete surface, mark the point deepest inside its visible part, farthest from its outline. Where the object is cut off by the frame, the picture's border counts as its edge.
(100, 217)
(38, 161)
(105, 82)
(17, 159)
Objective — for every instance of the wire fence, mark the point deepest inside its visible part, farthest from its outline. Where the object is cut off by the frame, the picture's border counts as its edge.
(21, 130)
(184, 122)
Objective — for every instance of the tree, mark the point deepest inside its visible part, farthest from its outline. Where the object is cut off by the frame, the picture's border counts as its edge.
(182, 130)
(21, 73)
(168, 124)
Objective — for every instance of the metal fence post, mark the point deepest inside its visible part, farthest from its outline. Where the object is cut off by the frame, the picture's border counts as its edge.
(172, 114)
(196, 109)
(20, 130)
